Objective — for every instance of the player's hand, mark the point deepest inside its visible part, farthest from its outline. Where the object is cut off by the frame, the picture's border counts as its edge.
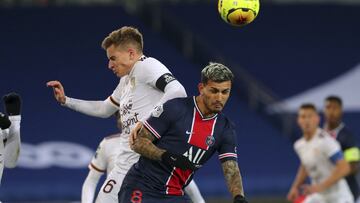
(12, 103)
(4, 121)
(240, 199)
(179, 161)
(293, 194)
(134, 133)
(310, 189)
(58, 89)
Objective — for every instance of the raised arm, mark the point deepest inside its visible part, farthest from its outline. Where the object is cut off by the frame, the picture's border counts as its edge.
(102, 109)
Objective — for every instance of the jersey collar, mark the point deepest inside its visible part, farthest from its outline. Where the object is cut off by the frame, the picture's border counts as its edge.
(198, 110)
(334, 133)
(142, 58)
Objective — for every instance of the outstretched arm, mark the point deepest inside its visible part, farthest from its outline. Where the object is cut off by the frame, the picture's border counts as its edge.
(102, 109)
(233, 177)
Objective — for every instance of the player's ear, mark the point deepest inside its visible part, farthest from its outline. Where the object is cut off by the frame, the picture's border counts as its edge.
(201, 88)
(131, 53)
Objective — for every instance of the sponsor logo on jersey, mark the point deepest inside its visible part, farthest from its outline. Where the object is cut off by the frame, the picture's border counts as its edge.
(168, 78)
(157, 111)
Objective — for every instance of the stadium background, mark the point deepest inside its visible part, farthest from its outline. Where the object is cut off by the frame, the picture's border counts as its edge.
(295, 51)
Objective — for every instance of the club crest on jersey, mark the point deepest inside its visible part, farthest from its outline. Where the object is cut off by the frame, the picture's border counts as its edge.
(157, 111)
(210, 140)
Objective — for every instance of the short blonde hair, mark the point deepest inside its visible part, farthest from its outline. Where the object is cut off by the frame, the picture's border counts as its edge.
(124, 36)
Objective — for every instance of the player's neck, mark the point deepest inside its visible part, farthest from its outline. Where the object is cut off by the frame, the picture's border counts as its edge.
(332, 126)
(202, 108)
(309, 134)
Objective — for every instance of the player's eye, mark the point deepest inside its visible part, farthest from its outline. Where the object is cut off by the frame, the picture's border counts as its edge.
(226, 91)
(214, 91)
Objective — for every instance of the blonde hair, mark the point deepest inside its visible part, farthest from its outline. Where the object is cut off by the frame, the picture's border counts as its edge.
(124, 36)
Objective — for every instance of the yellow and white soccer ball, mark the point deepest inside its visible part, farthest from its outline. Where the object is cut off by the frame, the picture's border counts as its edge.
(238, 12)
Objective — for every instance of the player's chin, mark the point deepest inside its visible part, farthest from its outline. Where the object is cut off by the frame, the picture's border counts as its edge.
(217, 109)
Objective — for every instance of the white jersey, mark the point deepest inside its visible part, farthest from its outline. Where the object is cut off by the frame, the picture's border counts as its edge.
(137, 94)
(315, 156)
(106, 153)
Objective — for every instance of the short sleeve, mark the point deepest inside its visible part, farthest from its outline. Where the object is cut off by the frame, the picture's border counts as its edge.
(115, 96)
(161, 118)
(331, 148)
(227, 149)
(154, 73)
(346, 139)
(98, 161)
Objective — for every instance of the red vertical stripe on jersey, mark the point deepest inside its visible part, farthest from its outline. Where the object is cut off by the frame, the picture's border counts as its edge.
(201, 129)
(176, 181)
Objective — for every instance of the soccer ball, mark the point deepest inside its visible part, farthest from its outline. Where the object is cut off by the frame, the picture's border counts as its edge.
(238, 12)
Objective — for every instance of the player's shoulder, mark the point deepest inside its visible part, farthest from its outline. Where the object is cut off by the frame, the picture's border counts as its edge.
(179, 102)
(299, 143)
(226, 121)
(345, 132)
(149, 63)
(173, 107)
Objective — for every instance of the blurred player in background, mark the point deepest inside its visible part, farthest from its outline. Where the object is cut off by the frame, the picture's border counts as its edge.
(10, 132)
(336, 128)
(179, 138)
(322, 160)
(102, 162)
(145, 82)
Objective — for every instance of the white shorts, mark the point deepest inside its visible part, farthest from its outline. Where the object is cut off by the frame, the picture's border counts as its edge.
(111, 187)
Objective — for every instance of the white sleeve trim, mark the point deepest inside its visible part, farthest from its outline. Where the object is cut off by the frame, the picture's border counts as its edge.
(152, 130)
(102, 109)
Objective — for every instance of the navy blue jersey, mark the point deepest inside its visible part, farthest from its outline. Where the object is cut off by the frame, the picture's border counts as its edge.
(180, 128)
(348, 142)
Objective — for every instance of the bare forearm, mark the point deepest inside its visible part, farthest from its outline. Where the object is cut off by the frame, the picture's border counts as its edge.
(144, 146)
(341, 170)
(233, 178)
(300, 177)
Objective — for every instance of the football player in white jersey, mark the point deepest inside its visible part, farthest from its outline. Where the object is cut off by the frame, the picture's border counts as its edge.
(10, 132)
(321, 160)
(145, 83)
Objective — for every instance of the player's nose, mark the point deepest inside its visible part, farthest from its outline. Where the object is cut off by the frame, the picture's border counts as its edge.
(110, 65)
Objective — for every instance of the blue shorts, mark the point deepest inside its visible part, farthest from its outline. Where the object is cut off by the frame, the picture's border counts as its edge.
(133, 191)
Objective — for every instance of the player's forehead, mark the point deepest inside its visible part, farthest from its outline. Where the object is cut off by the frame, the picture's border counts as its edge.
(218, 85)
(307, 112)
(332, 104)
(114, 50)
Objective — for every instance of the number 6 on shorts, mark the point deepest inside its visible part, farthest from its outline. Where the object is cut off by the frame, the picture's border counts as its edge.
(109, 186)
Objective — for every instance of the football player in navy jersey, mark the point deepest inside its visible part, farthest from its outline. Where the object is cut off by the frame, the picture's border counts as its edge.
(334, 125)
(178, 138)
